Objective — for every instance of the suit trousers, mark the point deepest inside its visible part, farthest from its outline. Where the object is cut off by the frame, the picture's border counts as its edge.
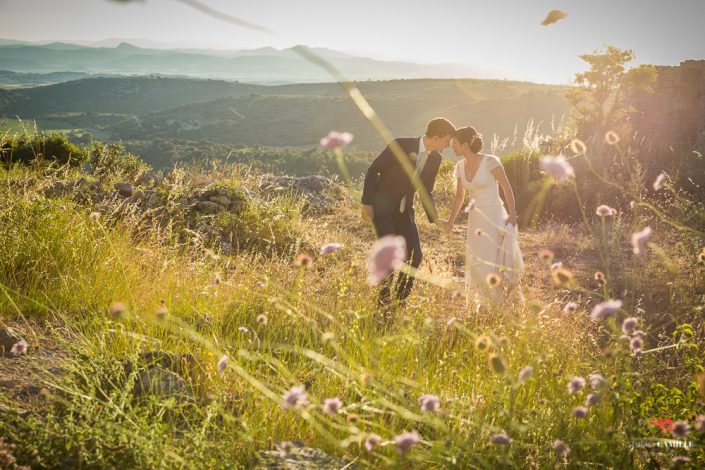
(398, 223)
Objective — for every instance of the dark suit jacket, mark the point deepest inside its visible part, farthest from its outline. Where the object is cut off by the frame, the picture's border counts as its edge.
(386, 182)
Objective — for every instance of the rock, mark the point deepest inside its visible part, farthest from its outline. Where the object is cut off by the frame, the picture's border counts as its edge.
(149, 179)
(299, 457)
(9, 337)
(201, 181)
(321, 193)
(210, 207)
(152, 200)
(222, 200)
(125, 189)
(162, 383)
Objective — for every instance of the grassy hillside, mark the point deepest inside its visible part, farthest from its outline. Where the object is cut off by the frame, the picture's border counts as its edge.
(96, 296)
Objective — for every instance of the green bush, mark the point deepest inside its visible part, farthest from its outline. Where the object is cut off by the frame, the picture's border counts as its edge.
(112, 161)
(30, 147)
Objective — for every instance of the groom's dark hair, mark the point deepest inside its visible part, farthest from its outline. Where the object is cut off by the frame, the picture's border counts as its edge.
(440, 127)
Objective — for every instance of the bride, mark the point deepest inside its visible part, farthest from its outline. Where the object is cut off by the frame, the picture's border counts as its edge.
(493, 261)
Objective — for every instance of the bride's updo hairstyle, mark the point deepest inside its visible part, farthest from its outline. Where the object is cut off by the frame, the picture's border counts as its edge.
(468, 135)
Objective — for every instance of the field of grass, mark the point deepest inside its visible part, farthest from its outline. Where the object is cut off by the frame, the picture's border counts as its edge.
(90, 296)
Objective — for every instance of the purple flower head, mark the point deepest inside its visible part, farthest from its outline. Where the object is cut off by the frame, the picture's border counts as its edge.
(222, 364)
(388, 253)
(561, 448)
(639, 240)
(429, 403)
(592, 399)
(636, 344)
(700, 423)
(576, 384)
(605, 211)
(295, 397)
(557, 265)
(680, 429)
(570, 307)
(629, 324)
(501, 439)
(242, 329)
(372, 442)
(336, 139)
(580, 412)
(596, 381)
(330, 248)
(525, 373)
(332, 405)
(558, 167)
(406, 440)
(605, 309)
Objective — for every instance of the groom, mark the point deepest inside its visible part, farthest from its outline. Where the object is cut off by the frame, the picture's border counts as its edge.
(388, 195)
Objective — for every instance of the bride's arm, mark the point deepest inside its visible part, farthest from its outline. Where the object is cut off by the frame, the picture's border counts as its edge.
(501, 177)
(457, 202)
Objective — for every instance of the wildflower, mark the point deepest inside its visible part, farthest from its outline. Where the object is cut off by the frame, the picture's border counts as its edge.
(680, 429)
(658, 182)
(636, 344)
(387, 254)
(372, 441)
(700, 423)
(605, 211)
(578, 147)
(478, 232)
(501, 439)
(450, 322)
(62, 207)
(580, 412)
(406, 440)
(482, 342)
(330, 248)
(260, 284)
(262, 319)
(593, 399)
(222, 364)
(576, 384)
(525, 373)
(216, 279)
(605, 309)
(558, 167)
(19, 348)
(570, 307)
(351, 418)
(639, 240)
(546, 255)
(611, 138)
(336, 139)
(600, 278)
(562, 276)
(596, 381)
(639, 333)
(332, 405)
(95, 216)
(493, 280)
(497, 363)
(295, 397)
(117, 310)
(557, 265)
(242, 329)
(680, 460)
(429, 403)
(327, 336)
(629, 324)
(561, 448)
(304, 260)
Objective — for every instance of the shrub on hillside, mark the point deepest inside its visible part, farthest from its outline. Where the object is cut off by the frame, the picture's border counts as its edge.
(29, 147)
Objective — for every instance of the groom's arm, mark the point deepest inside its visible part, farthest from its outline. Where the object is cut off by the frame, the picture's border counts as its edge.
(429, 180)
(380, 164)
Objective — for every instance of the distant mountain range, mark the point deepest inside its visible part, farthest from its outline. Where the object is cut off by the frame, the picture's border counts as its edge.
(264, 65)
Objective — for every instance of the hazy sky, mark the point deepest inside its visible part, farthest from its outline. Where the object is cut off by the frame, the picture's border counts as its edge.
(499, 35)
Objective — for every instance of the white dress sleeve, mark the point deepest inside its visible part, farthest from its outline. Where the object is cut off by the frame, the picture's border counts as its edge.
(493, 162)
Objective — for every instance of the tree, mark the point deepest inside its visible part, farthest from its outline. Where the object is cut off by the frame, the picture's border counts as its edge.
(599, 100)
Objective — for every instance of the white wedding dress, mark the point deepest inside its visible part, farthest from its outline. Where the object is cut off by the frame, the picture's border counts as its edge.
(488, 236)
